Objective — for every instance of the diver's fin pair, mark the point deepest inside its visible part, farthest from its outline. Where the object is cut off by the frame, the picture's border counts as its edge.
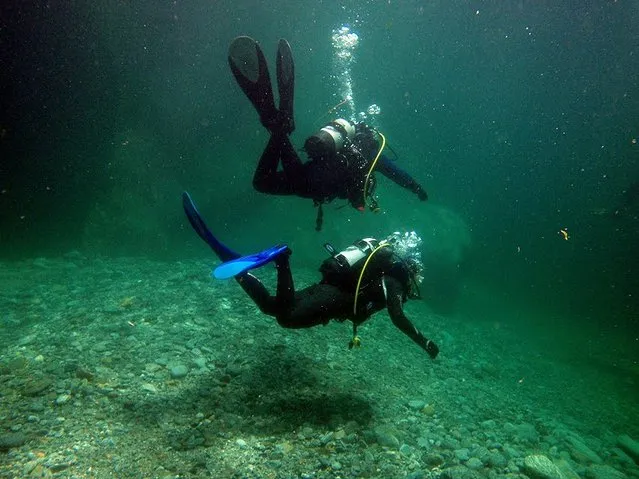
(234, 264)
(250, 70)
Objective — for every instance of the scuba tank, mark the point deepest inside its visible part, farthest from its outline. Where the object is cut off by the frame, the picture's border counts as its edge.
(330, 139)
(342, 269)
(357, 252)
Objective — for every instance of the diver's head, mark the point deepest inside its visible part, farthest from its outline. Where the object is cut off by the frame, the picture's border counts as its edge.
(330, 139)
(408, 247)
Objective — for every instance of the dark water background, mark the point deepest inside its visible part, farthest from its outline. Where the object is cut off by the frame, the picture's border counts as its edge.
(518, 117)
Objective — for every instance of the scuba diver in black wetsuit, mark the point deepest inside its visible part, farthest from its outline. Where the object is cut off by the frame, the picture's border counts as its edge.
(343, 156)
(362, 279)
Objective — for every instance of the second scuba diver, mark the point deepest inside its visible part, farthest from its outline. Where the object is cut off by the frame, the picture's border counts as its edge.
(343, 156)
(357, 282)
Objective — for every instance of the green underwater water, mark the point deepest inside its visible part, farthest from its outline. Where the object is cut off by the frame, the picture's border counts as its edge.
(519, 119)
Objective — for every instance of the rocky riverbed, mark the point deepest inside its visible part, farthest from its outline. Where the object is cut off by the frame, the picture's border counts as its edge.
(131, 368)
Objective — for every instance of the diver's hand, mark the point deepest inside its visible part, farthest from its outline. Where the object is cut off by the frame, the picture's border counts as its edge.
(421, 194)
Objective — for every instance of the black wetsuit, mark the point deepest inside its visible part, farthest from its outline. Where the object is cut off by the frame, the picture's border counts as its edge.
(386, 285)
(321, 179)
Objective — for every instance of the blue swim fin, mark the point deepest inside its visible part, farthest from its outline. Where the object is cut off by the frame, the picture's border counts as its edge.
(224, 253)
(240, 265)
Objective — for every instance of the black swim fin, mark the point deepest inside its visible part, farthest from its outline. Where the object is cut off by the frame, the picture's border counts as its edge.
(250, 69)
(286, 84)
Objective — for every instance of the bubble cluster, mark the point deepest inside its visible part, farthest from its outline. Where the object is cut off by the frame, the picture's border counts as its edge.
(369, 116)
(344, 45)
(344, 42)
(373, 110)
(408, 246)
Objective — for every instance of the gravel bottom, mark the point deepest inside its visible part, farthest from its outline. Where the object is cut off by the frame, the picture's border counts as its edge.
(130, 368)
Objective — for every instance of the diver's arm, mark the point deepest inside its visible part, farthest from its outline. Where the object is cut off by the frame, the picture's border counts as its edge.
(393, 172)
(394, 294)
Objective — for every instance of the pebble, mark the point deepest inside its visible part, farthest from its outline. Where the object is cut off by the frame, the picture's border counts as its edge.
(495, 459)
(600, 471)
(416, 404)
(148, 387)
(526, 433)
(433, 460)
(458, 472)
(386, 438)
(36, 386)
(462, 454)
(200, 362)
(152, 367)
(423, 442)
(622, 456)
(16, 364)
(11, 440)
(428, 410)
(406, 450)
(489, 424)
(234, 369)
(29, 467)
(511, 451)
(582, 453)
(179, 371)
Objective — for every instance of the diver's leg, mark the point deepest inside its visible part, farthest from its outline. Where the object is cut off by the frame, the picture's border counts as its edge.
(258, 293)
(271, 305)
(267, 178)
(316, 305)
(285, 284)
(291, 162)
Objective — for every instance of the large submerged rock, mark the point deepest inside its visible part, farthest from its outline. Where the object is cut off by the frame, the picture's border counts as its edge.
(629, 446)
(538, 466)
